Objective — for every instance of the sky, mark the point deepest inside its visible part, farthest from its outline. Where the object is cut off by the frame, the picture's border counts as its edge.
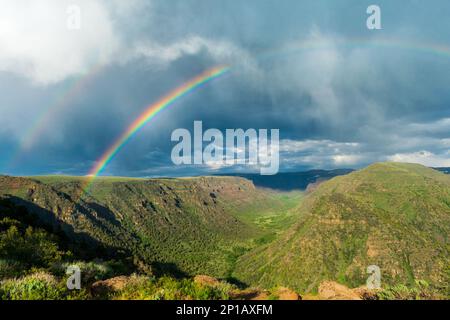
(342, 96)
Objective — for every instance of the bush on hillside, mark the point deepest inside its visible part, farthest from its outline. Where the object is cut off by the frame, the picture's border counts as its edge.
(167, 288)
(420, 291)
(91, 271)
(38, 286)
(33, 247)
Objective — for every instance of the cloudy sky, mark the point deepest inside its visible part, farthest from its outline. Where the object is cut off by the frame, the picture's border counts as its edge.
(341, 95)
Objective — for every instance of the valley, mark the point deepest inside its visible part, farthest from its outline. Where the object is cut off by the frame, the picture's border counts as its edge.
(148, 235)
(183, 226)
(395, 216)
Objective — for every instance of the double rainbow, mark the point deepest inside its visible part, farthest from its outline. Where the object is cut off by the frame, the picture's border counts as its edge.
(149, 113)
(43, 121)
(35, 132)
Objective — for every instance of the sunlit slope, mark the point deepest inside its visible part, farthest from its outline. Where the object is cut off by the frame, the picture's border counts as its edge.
(396, 216)
(185, 226)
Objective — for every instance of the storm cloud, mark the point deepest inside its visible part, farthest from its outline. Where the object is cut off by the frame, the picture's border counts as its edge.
(341, 95)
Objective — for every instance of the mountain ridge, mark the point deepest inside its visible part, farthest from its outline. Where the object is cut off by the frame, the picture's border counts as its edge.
(396, 216)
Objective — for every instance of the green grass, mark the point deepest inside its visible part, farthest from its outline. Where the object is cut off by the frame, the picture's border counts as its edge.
(392, 215)
(167, 230)
(49, 179)
(161, 223)
(419, 290)
(177, 226)
(275, 213)
(38, 286)
(167, 288)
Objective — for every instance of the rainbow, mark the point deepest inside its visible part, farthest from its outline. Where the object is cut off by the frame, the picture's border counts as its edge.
(77, 87)
(358, 42)
(149, 113)
(68, 94)
(431, 48)
(72, 91)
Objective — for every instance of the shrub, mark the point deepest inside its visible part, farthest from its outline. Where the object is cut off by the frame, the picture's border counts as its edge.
(11, 268)
(188, 289)
(33, 247)
(90, 271)
(38, 286)
(168, 288)
(420, 291)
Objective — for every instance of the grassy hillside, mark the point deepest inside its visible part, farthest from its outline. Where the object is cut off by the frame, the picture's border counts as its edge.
(396, 216)
(179, 226)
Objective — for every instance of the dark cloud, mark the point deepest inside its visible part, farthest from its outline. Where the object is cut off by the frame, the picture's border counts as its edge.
(338, 102)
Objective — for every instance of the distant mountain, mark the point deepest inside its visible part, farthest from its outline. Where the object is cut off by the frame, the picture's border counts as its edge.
(287, 181)
(444, 170)
(395, 216)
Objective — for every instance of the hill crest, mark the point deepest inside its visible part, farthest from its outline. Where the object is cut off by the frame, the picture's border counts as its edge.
(393, 215)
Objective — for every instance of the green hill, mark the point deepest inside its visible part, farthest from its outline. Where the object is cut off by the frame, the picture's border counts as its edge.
(396, 216)
(179, 226)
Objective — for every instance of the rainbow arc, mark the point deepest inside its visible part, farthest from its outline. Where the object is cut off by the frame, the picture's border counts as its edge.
(148, 114)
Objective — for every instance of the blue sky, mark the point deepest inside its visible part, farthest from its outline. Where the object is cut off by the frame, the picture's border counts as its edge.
(344, 102)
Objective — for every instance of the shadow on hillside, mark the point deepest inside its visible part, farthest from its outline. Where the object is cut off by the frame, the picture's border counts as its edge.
(238, 283)
(168, 269)
(80, 242)
(102, 213)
